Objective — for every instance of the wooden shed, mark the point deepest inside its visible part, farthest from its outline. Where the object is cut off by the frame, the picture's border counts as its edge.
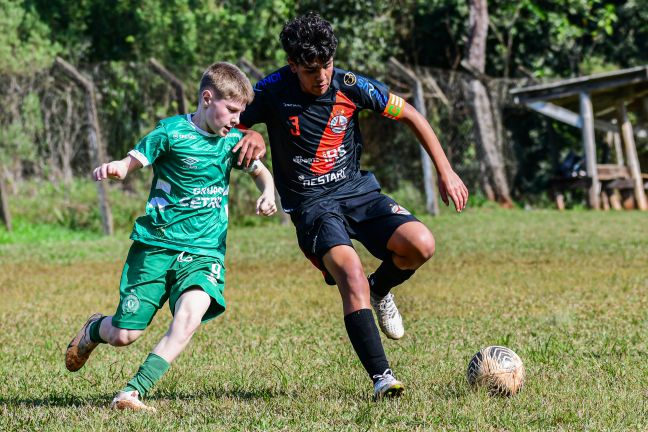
(600, 102)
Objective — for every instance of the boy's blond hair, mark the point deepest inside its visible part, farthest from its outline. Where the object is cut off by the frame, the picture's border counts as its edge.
(227, 82)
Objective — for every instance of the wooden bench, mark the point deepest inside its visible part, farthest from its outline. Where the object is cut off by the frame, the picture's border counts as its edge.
(617, 187)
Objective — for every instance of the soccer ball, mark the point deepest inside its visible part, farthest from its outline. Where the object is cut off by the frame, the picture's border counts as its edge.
(498, 369)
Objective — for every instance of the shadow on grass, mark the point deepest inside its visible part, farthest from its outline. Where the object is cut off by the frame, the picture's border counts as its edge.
(56, 401)
(104, 400)
(265, 393)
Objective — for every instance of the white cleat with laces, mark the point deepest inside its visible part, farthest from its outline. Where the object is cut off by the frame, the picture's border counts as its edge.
(387, 385)
(389, 319)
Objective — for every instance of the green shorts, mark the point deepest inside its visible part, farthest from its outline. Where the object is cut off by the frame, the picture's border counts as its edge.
(152, 275)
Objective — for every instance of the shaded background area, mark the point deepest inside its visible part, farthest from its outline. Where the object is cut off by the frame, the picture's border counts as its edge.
(43, 132)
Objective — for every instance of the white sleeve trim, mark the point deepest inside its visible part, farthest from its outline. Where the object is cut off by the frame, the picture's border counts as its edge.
(140, 157)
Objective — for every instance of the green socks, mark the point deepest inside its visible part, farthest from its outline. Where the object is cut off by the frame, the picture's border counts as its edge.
(94, 331)
(148, 374)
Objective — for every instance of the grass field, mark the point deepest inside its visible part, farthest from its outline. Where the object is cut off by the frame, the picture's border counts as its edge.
(567, 291)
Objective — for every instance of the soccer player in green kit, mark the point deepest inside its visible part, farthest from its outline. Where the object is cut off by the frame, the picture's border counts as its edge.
(178, 247)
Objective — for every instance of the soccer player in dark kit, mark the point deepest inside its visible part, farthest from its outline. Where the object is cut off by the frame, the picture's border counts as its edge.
(311, 111)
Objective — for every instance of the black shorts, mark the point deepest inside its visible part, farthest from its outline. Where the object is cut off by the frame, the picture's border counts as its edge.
(371, 219)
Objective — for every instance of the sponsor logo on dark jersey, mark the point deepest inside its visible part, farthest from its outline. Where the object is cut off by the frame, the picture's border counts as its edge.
(350, 78)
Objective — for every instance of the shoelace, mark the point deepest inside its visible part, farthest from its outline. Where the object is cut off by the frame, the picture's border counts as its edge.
(387, 374)
(387, 304)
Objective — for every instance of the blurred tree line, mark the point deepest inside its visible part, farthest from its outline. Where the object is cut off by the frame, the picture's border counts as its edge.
(112, 41)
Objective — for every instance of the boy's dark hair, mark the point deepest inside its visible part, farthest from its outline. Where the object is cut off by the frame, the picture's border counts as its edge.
(308, 39)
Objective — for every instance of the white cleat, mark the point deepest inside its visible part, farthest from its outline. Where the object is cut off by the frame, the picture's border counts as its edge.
(130, 401)
(387, 385)
(389, 319)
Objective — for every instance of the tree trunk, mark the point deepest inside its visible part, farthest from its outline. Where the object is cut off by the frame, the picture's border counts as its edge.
(480, 106)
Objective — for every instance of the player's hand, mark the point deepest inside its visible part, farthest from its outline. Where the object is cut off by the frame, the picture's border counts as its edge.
(252, 147)
(116, 170)
(450, 185)
(266, 205)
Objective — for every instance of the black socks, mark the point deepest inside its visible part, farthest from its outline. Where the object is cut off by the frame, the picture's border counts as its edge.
(386, 277)
(364, 336)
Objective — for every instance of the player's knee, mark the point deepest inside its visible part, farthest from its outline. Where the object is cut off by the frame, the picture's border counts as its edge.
(123, 337)
(355, 278)
(426, 246)
(423, 249)
(186, 322)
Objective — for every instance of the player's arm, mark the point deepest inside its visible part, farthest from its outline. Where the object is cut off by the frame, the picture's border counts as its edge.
(116, 170)
(265, 205)
(450, 185)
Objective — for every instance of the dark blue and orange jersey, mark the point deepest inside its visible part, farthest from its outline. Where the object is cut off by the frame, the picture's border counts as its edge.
(315, 141)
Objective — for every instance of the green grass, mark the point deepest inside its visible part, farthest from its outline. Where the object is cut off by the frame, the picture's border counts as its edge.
(566, 291)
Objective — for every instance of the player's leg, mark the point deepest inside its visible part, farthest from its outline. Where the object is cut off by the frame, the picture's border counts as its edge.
(196, 296)
(189, 311)
(97, 329)
(411, 245)
(344, 265)
(403, 244)
(323, 235)
(142, 293)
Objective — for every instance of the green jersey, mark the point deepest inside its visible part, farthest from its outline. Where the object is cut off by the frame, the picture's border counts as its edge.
(187, 204)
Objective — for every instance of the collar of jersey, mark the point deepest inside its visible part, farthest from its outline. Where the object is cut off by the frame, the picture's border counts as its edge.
(200, 131)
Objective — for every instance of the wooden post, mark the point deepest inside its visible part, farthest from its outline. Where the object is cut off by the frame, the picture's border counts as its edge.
(5, 214)
(631, 154)
(617, 149)
(250, 69)
(174, 81)
(615, 200)
(589, 147)
(96, 149)
(429, 182)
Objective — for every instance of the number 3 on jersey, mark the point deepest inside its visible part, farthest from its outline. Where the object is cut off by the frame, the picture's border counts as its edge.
(294, 125)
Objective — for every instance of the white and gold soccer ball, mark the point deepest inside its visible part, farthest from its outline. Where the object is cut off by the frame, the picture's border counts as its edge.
(498, 369)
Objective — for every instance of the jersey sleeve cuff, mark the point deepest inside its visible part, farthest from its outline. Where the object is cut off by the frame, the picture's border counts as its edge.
(140, 157)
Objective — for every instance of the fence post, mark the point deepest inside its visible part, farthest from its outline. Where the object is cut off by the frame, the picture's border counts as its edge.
(429, 182)
(5, 214)
(174, 81)
(96, 149)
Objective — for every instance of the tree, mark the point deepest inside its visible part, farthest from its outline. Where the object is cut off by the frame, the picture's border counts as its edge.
(494, 182)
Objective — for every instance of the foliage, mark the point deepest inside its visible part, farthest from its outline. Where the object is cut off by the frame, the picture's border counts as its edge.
(112, 41)
(25, 44)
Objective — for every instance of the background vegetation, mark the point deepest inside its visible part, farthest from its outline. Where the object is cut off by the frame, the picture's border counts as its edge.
(42, 126)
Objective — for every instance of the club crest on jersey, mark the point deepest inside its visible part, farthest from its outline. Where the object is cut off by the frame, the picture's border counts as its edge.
(130, 304)
(349, 78)
(339, 123)
(397, 209)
